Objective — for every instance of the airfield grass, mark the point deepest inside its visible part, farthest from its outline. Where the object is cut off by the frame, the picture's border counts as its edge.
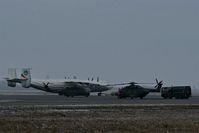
(114, 119)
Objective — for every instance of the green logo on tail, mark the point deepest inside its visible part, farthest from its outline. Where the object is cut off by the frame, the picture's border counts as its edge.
(25, 73)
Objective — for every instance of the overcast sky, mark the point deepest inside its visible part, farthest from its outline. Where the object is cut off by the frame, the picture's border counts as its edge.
(118, 40)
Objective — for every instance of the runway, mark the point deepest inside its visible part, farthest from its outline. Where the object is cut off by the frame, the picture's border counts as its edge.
(9, 100)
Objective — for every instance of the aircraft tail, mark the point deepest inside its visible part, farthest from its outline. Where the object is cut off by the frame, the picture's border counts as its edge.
(12, 74)
(27, 78)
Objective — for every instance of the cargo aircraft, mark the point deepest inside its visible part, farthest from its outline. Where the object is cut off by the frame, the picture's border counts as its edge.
(66, 87)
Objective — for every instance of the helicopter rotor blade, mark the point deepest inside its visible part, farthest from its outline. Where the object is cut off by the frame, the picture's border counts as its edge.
(120, 84)
(128, 83)
(146, 83)
(133, 83)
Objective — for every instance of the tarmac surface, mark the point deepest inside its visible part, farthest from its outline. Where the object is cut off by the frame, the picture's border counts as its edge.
(9, 100)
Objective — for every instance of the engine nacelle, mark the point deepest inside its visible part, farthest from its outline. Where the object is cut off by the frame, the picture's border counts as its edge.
(11, 84)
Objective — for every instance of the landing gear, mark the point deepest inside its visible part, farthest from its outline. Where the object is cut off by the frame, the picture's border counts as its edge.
(99, 94)
(88, 94)
(60, 94)
(66, 95)
(119, 97)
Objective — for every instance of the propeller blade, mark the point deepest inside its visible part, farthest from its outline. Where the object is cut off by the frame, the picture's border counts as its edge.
(159, 84)
(46, 84)
(156, 80)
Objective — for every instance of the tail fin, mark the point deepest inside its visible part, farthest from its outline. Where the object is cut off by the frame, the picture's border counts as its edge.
(12, 74)
(26, 75)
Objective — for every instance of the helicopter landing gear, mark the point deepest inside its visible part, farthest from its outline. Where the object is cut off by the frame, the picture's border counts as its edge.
(60, 94)
(99, 94)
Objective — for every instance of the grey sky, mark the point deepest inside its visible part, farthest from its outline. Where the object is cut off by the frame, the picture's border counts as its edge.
(118, 40)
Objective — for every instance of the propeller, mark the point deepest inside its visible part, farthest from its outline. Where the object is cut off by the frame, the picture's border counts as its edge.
(159, 84)
(46, 85)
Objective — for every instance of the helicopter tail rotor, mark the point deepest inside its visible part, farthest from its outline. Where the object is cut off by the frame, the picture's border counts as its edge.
(159, 84)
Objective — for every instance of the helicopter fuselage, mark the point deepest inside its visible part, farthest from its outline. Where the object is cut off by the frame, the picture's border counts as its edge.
(133, 91)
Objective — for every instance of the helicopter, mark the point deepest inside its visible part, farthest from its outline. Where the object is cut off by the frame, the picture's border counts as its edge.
(135, 90)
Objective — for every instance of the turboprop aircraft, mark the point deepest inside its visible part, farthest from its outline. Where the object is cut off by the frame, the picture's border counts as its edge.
(67, 87)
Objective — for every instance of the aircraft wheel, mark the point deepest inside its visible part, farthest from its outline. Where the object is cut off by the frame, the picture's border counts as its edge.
(141, 97)
(60, 94)
(186, 96)
(99, 94)
(87, 95)
(119, 97)
(132, 97)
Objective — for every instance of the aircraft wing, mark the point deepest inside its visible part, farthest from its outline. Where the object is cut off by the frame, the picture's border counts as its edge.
(91, 86)
(69, 84)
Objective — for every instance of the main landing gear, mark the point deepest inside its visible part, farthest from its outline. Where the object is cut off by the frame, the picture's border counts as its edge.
(99, 94)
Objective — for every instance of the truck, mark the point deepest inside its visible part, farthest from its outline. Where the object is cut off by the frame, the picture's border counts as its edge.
(179, 92)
